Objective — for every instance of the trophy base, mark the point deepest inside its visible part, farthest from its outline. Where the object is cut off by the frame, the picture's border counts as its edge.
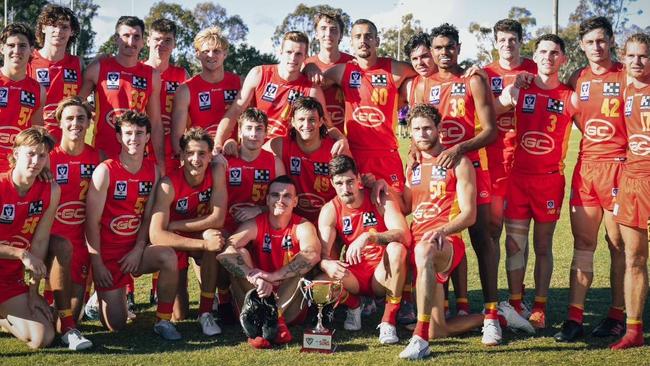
(318, 342)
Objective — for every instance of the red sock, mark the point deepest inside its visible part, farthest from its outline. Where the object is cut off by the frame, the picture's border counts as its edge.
(223, 296)
(391, 309)
(539, 304)
(616, 313)
(462, 304)
(407, 293)
(502, 321)
(48, 295)
(491, 310)
(67, 321)
(154, 282)
(351, 301)
(576, 313)
(130, 286)
(284, 335)
(633, 336)
(515, 301)
(422, 327)
(164, 310)
(206, 302)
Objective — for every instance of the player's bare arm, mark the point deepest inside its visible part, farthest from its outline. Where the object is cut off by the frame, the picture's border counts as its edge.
(37, 116)
(41, 238)
(231, 259)
(507, 100)
(402, 71)
(332, 267)
(153, 112)
(95, 201)
(90, 77)
(466, 195)
(180, 116)
(305, 260)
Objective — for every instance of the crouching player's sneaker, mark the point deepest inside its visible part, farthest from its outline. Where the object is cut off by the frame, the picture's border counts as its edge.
(75, 340)
(514, 319)
(166, 330)
(417, 349)
(387, 333)
(209, 326)
(353, 319)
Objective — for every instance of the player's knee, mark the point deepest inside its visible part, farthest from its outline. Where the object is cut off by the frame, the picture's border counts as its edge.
(583, 261)
(396, 252)
(636, 260)
(515, 261)
(115, 323)
(583, 241)
(615, 244)
(42, 337)
(168, 259)
(424, 252)
(543, 251)
(61, 248)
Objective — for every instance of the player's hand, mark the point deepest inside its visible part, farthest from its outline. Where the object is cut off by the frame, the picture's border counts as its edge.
(314, 74)
(354, 253)
(475, 70)
(449, 157)
(245, 213)
(437, 238)
(102, 275)
(523, 80)
(214, 241)
(271, 277)
(368, 179)
(46, 175)
(34, 265)
(340, 147)
(379, 192)
(263, 288)
(230, 148)
(413, 157)
(131, 260)
(334, 269)
(37, 305)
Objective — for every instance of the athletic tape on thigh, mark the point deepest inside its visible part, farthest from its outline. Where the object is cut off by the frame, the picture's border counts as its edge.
(583, 261)
(519, 235)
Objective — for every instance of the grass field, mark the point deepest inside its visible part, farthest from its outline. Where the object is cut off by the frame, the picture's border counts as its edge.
(139, 345)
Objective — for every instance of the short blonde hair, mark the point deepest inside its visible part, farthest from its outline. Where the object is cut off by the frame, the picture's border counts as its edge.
(211, 35)
(31, 137)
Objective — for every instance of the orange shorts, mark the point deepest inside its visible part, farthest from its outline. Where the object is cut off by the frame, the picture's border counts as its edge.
(383, 165)
(632, 206)
(80, 263)
(483, 184)
(110, 259)
(534, 196)
(595, 184)
(364, 272)
(457, 256)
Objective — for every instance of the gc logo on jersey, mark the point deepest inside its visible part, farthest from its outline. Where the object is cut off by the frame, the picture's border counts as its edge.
(287, 242)
(321, 169)
(61, 173)
(266, 244)
(35, 208)
(529, 103)
(205, 102)
(434, 95)
(416, 175)
(496, 83)
(205, 195)
(270, 91)
(355, 79)
(8, 214)
(43, 77)
(113, 80)
(4, 96)
(144, 188)
(229, 96)
(70, 75)
(296, 165)
(612, 89)
(347, 225)
(584, 90)
(262, 176)
(139, 82)
(182, 205)
(369, 219)
(234, 176)
(27, 99)
(458, 89)
(379, 80)
(555, 105)
(120, 191)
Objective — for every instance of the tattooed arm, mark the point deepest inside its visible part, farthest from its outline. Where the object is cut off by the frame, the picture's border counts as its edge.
(305, 260)
(231, 258)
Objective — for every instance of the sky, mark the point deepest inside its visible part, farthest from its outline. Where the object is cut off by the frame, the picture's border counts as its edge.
(262, 16)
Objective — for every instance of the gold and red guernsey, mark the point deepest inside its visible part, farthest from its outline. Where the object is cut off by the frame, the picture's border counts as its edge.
(637, 121)
(334, 97)
(272, 249)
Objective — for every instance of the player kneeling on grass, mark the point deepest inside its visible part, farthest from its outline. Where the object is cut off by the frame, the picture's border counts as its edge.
(375, 236)
(270, 253)
(190, 203)
(119, 205)
(443, 203)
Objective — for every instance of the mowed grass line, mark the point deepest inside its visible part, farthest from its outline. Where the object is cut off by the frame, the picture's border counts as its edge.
(138, 345)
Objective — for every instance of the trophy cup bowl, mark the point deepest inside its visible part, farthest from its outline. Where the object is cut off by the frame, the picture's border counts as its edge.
(321, 293)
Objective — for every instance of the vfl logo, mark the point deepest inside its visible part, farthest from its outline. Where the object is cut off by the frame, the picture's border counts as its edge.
(628, 106)
(270, 92)
(416, 177)
(8, 214)
(113, 80)
(4, 96)
(61, 173)
(43, 77)
(266, 244)
(205, 101)
(497, 85)
(434, 95)
(120, 191)
(584, 90)
(529, 103)
(71, 213)
(599, 130)
(182, 205)
(355, 79)
(451, 132)
(368, 116)
(347, 225)
(295, 165)
(537, 143)
(234, 176)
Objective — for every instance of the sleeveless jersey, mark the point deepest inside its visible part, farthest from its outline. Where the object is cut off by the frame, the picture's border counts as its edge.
(118, 89)
(505, 123)
(434, 201)
(272, 249)
(189, 201)
(352, 222)
(637, 121)
(73, 174)
(601, 119)
(248, 183)
(370, 106)
(126, 198)
(19, 219)
(60, 79)
(209, 101)
(275, 97)
(333, 94)
(170, 79)
(543, 129)
(310, 173)
(18, 102)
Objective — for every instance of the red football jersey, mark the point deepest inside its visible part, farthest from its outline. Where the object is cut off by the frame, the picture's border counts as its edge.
(601, 121)
(248, 183)
(118, 89)
(637, 121)
(126, 198)
(434, 201)
(310, 173)
(209, 101)
(352, 222)
(73, 174)
(543, 129)
(370, 106)
(19, 218)
(272, 249)
(503, 147)
(170, 80)
(60, 79)
(18, 102)
(275, 97)
(333, 95)
(189, 201)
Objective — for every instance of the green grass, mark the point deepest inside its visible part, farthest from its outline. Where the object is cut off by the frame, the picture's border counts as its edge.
(139, 345)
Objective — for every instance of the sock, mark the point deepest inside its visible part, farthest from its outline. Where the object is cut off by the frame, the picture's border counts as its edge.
(515, 301)
(617, 313)
(130, 286)
(206, 302)
(633, 336)
(502, 321)
(407, 293)
(422, 326)
(67, 322)
(576, 313)
(462, 303)
(154, 282)
(391, 309)
(223, 296)
(351, 301)
(491, 310)
(540, 304)
(284, 335)
(164, 310)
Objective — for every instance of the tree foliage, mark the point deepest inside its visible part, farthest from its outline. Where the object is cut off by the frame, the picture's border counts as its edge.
(243, 57)
(302, 19)
(209, 14)
(393, 39)
(85, 10)
(24, 11)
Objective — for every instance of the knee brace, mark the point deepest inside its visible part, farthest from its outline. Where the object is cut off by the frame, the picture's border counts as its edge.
(518, 234)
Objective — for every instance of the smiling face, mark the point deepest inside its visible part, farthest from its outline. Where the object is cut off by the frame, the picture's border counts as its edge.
(252, 134)
(74, 123)
(196, 157)
(307, 124)
(16, 50)
(508, 45)
(133, 138)
(211, 56)
(328, 33)
(445, 52)
(281, 199)
(549, 57)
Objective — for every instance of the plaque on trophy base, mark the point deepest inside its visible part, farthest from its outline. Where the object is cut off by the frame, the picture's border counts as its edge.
(321, 292)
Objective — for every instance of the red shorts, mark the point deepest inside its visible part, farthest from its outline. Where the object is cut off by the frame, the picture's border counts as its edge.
(457, 256)
(483, 184)
(11, 290)
(595, 184)
(110, 259)
(632, 207)
(80, 264)
(364, 272)
(534, 196)
(383, 165)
